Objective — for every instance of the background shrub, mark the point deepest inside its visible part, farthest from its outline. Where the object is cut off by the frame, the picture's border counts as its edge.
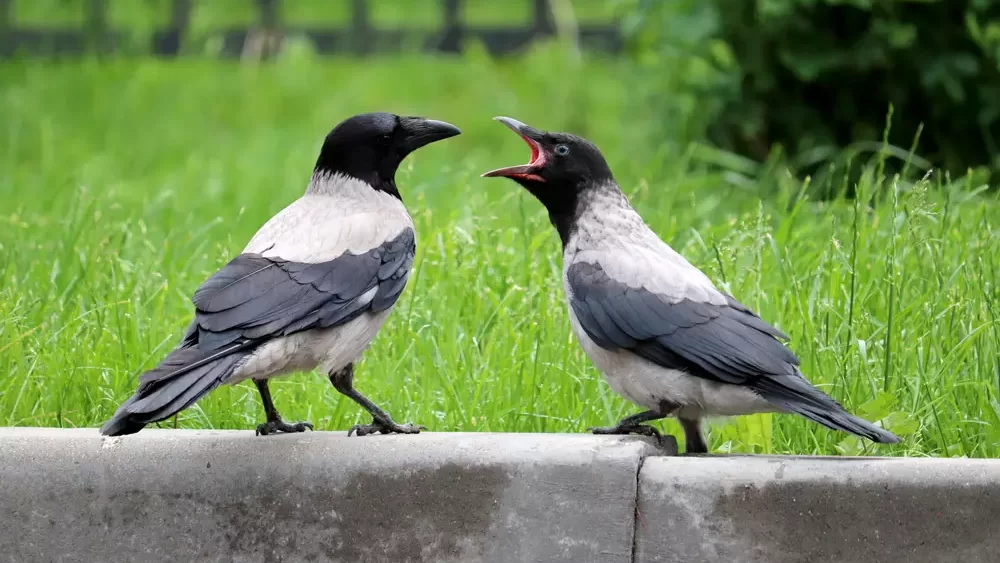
(818, 76)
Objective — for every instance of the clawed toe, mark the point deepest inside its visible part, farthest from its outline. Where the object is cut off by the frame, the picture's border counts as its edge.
(389, 427)
(276, 426)
(640, 429)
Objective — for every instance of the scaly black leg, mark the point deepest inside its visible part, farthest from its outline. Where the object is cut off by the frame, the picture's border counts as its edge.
(274, 423)
(693, 437)
(343, 381)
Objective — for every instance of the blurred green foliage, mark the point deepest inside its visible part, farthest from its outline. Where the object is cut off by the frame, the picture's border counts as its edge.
(688, 72)
(818, 76)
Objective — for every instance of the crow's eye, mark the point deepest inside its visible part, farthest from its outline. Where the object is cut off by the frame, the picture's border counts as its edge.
(562, 150)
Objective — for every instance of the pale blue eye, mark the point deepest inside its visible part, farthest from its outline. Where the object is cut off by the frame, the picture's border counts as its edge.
(562, 150)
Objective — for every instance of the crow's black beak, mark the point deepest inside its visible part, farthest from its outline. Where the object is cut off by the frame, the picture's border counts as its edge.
(528, 171)
(521, 129)
(419, 132)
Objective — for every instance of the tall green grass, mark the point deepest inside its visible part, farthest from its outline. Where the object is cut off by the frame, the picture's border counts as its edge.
(126, 184)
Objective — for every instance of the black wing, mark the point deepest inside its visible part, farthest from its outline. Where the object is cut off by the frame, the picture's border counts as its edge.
(255, 298)
(725, 343)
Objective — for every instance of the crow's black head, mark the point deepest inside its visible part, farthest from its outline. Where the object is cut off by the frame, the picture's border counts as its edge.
(370, 146)
(562, 166)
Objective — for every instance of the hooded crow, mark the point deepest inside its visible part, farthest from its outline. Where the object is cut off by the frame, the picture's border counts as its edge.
(311, 289)
(662, 334)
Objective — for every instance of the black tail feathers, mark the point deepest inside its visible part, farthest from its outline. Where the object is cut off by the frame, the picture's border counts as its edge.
(795, 394)
(182, 378)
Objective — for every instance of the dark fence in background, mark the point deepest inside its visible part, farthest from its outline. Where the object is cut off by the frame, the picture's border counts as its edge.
(359, 36)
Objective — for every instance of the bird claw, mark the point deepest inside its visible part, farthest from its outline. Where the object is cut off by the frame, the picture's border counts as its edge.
(388, 427)
(640, 429)
(275, 426)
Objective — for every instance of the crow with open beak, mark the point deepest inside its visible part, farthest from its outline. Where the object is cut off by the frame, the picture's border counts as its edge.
(311, 289)
(658, 329)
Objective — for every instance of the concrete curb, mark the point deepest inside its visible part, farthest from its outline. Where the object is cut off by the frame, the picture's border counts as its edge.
(70, 495)
(747, 509)
(73, 496)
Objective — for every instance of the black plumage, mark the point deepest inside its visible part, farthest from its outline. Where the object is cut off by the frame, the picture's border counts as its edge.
(256, 297)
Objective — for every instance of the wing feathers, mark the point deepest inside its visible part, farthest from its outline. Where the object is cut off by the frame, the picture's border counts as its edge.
(726, 343)
(255, 297)
(216, 294)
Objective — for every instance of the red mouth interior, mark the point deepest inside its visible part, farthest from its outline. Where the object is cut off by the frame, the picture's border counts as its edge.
(525, 171)
(534, 150)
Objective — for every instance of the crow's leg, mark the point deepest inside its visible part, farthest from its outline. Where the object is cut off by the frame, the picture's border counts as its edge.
(274, 423)
(634, 424)
(343, 381)
(693, 438)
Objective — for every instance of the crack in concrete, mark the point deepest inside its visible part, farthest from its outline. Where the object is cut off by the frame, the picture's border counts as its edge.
(635, 508)
(662, 450)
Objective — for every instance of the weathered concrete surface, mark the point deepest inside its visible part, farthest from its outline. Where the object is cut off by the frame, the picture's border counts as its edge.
(72, 496)
(745, 509)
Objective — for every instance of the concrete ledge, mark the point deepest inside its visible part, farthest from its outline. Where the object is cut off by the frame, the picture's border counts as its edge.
(745, 509)
(73, 496)
(70, 495)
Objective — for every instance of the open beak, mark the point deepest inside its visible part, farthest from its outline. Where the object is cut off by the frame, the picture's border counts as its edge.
(525, 171)
(421, 132)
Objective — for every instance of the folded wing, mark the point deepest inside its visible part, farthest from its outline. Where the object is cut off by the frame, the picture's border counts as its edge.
(721, 341)
(254, 299)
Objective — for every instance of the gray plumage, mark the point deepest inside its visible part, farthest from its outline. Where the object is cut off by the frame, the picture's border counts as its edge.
(658, 329)
(245, 313)
(311, 289)
(721, 343)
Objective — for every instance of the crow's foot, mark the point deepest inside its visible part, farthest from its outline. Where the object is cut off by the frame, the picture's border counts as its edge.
(387, 427)
(275, 426)
(641, 429)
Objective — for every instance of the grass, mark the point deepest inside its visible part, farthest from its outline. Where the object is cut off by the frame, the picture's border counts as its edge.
(125, 184)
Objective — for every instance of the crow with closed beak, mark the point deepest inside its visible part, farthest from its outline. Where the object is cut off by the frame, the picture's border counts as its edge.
(662, 334)
(311, 289)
